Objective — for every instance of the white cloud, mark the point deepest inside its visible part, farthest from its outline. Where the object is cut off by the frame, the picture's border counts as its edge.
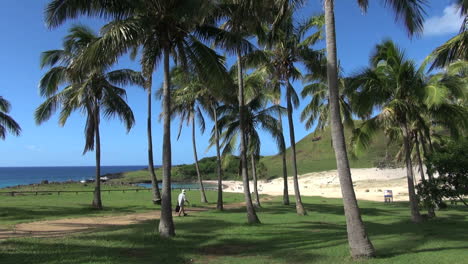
(448, 23)
(33, 148)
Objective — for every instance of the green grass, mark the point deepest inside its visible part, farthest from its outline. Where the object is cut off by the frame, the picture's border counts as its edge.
(283, 237)
(315, 156)
(66, 186)
(28, 208)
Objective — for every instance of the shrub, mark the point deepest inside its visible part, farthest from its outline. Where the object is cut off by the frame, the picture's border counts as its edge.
(450, 161)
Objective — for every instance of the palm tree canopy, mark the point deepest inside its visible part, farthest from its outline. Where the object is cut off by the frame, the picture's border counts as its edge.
(179, 26)
(258, 116)
(401, 93)
(67, 87)
(455, 48)
(411, 12)
(318, 108)
(7, 123)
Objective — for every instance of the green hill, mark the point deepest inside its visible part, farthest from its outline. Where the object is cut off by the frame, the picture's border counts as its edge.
(315, 153)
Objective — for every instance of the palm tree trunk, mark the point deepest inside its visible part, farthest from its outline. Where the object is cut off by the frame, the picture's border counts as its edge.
(283, 158)
(219, 204)
(166, 223)
(359, 243)
(418, 153)
(255, 181)
(251, 214)
(425, 153)
(299, 206)
(415, 216)
(154, 180)
(430, 210)
(97, 202)
(200, 182)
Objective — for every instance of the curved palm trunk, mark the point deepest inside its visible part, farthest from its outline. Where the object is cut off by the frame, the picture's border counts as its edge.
(425, 153)
(219, 204)
(359, 243)
(166, 223)
(154, 180)
(200, 182)
(299, 206)
(418, 154)
(97, 202)
(283, 159)
(255, 181)
(430, 210)
(251, 214)
(415, 216)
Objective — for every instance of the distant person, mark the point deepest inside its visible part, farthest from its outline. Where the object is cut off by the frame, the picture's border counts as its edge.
(181, 201)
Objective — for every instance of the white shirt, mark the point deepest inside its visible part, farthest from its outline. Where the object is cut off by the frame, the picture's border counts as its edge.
(181, 199)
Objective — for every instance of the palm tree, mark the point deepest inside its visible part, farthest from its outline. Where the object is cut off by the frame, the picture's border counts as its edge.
(396, 86)
(7, 123)
(165, 29)
(275, 98)
(187, 95)
(92, 92)
(257, 116)
(288, 45)
(212, 104)
(412, 14)
(319, 107)
(231, 37)
(148, 69)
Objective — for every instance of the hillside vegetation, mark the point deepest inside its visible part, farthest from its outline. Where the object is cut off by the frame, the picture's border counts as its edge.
(314, 153)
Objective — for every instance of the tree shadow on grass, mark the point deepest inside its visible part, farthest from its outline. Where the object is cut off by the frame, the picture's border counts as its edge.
(204, 236)
(43, 212)
(141, 244)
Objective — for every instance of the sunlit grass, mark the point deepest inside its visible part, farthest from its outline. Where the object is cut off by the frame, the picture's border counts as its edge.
(283, 237)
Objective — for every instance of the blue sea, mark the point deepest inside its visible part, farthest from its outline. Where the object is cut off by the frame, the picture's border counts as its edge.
(12, 176)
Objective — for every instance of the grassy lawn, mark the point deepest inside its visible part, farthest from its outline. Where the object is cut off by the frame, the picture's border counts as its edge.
(283, 237)
(28, 208)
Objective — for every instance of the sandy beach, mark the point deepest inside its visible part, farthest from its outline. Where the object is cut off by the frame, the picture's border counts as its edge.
(369, 184)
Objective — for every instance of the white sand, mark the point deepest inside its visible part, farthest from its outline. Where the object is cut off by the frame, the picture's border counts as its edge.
(369, 184)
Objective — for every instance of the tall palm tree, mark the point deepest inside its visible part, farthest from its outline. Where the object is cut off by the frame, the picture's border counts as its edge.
(411, 12)
(289, 44)
(7, 123)
(187, 96)
(275, 98)
(396, 86)
(148, 69)
(92, 92)
(231, 37)
(165, 29)
(212, 104)
(257, 117)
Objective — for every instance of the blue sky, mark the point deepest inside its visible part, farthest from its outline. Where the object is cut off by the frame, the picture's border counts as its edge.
(25, 36)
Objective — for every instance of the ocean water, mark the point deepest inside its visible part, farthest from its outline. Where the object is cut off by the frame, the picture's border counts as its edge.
(12, 176)
(182, 185)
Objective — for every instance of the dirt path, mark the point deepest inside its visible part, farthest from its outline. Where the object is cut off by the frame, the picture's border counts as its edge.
(62, 227)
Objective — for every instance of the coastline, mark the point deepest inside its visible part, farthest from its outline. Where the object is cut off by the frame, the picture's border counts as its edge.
(369, 184)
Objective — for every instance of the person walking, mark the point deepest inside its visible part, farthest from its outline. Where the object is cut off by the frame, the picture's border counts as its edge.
(181, 201)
